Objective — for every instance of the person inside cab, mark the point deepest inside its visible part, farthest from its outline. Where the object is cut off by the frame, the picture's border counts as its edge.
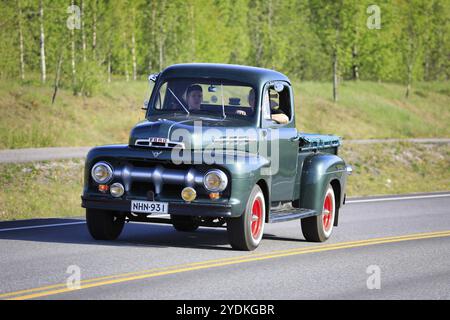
(194, 97)
(276, 114)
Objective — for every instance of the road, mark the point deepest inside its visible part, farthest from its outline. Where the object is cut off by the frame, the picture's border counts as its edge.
(399, 246)
(60, 153)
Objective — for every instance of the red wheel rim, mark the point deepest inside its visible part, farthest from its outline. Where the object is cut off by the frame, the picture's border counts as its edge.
(327, 212)
(256, 218)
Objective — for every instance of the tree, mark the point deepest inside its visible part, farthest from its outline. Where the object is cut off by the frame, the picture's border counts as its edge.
(21, 46)
(42, 41)
(330, 23)
(413, 16)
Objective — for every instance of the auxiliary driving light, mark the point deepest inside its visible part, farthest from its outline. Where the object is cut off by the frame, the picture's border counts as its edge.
(117, 190)
(215, 180)
(188, 194)
(102, 172)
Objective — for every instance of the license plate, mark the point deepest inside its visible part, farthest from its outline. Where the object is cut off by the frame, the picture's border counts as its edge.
(149, 207)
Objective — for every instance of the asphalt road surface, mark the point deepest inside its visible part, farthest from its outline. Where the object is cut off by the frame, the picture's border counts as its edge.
(384, 248)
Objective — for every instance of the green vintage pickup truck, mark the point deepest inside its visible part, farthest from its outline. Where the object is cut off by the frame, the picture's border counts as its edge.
(218, 147)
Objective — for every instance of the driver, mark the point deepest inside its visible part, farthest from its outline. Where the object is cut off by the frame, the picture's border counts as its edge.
(194, 97)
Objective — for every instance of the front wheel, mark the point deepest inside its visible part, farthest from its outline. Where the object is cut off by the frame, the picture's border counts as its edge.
(319, 228)
(103, 224)
(246, 231)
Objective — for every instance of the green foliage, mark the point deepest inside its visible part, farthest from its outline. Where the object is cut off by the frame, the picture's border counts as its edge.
(131, 38)
(88, 80)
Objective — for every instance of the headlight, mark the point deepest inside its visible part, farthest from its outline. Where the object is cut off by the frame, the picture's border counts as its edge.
(215, 180)
(102, 172)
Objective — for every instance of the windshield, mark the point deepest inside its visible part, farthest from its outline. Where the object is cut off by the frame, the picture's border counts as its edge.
(214, 97)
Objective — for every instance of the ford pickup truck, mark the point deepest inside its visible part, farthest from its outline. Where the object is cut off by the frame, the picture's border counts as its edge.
(218, 148)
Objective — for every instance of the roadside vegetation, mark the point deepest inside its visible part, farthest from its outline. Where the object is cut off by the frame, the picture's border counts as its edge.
(366, 110)
(53, 188)
(28, 119)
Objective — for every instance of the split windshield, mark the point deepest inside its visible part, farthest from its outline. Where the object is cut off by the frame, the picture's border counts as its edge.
(212, 97)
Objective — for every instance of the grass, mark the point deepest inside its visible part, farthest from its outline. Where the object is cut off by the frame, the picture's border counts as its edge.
(365, 110)
(369, 110)
(41, 189)
(53, 189)
(397, 168)
(28, 119)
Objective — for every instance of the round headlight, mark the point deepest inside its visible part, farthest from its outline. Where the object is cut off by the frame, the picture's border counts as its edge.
(215, 180)
(102, 172)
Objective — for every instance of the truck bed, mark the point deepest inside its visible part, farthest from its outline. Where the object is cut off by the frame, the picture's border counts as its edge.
(325, 143)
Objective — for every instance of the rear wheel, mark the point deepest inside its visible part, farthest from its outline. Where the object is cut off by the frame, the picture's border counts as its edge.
(246, 231)
(319, 228)
(184, 223)
(103, 224)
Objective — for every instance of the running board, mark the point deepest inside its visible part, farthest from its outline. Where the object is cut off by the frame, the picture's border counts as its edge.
(287, 214)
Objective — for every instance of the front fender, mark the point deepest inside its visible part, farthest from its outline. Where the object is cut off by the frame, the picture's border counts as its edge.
(319, 170)
(246, 170)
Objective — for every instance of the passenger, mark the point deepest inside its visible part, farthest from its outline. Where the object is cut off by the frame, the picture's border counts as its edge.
(251, 103)
(276, 114)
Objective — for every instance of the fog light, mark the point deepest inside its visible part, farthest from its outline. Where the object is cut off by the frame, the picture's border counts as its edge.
(214, 195)
(188, 194)
(117, 190)
(103, 187)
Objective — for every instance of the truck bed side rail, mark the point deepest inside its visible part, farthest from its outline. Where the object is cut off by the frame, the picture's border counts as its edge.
(308, 142)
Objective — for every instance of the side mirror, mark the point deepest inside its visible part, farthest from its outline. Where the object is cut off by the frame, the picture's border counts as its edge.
(153, 77)
(278, 86)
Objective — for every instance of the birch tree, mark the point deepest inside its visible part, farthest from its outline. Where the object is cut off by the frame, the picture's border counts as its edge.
(42, 41)
(21, 46)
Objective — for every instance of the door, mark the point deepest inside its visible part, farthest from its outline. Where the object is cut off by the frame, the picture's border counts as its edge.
(282, 139)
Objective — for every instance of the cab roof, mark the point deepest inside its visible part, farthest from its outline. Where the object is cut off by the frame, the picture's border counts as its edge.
(246, 74)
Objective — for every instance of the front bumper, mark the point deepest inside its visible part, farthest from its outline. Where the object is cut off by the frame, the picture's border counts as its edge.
(176, 208)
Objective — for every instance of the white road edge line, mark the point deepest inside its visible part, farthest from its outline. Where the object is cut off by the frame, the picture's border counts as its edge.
(399, 198)
(43, 226)
(62, 224)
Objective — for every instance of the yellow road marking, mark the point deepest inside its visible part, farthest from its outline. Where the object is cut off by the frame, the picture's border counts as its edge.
(155, 272)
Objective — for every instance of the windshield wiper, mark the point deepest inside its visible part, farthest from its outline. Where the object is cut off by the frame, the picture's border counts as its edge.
(185, 109)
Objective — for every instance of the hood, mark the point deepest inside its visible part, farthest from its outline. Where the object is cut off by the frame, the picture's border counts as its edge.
(192, 132)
